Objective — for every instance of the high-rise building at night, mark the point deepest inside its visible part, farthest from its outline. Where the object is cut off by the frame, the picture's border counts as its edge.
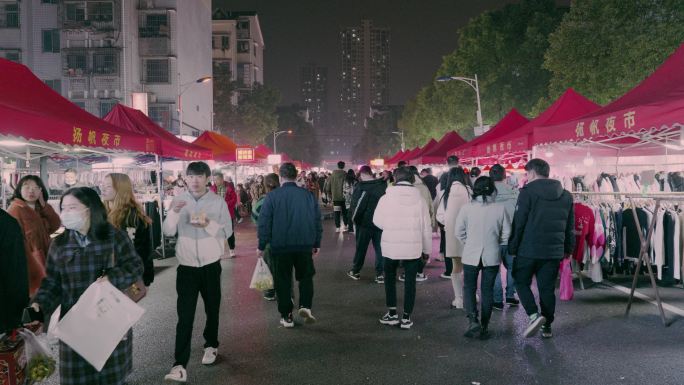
(314, 92)
(365, 73)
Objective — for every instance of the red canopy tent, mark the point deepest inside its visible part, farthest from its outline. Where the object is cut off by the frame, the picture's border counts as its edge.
(394, 158)
(221, 146)
(31, 110)
(262, 152)
(429, 146)
(408, 155)
(653, 111)
(168, 145)
(512, 121)
(438, 153)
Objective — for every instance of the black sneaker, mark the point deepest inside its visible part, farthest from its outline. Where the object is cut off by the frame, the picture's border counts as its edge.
(546, 331)
(484, 333)
(473, 328)
(354, 276)
(380, 279)
(406, 323)
(498, 306)
(512, 302)
(269, 295)
(388, 319)
(536, 321)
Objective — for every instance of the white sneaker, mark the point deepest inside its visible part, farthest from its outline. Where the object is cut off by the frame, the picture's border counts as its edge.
(232, 253)
(307, 316)
(209, 356)
(338, 230)
(287, 322)
(536, 322)
(177, 374)
(457, 303)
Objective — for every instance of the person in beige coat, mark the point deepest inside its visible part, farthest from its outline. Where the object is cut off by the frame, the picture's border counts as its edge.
(455, 196)
(483, 226)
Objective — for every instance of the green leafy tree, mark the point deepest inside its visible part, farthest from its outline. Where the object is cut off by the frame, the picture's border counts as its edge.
(603, 48)
(225, 113)
(378, 139)
(505, 48)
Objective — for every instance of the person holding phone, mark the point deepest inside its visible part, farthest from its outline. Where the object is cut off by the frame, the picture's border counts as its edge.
(37, 220)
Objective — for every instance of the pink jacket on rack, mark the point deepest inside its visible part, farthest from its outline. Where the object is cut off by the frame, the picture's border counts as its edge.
(584, 230)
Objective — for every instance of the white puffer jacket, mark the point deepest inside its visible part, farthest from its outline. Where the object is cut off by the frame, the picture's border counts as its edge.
(404, 219)
(458, 197)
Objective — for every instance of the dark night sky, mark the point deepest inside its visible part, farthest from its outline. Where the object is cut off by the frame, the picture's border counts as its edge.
(299, 31)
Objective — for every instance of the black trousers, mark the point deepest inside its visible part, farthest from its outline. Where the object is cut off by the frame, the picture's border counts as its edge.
(231, 241)
(411, 267)
(470, 274)
(364, 236)
(546, 271)
(341, 214)
(448, 262)
(191, 281)
(302, 262)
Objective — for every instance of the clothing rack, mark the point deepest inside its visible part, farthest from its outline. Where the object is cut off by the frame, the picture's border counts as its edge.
(645, 239)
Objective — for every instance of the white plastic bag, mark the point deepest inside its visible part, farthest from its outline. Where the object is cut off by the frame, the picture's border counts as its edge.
(262, 278)
(95, 325)
(40, 363)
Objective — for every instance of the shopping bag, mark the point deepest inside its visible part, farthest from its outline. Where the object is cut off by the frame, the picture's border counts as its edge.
(95, 325)
(41, 365)
(566, 289)
(262, 278)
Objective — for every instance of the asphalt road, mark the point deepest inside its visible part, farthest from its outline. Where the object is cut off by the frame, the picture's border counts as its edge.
(594, 342)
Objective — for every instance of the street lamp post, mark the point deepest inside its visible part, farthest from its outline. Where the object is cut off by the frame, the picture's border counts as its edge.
(181, 90)
(277, 134)
(472, 82)
(401, 135)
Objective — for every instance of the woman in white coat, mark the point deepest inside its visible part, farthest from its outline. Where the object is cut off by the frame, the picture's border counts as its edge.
(483, 226)
(456, 195)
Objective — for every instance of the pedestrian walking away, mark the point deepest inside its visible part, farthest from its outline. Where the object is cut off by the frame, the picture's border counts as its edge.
(507, 196)
(454, 197)
(406, 237)
(202, 223)
(483, 226)
(363, 204)
(335, 188)
(290, 221)
(77, 258)
(543, 234)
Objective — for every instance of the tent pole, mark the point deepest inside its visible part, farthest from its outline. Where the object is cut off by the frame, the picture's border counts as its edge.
(2, 182)
(161, 201)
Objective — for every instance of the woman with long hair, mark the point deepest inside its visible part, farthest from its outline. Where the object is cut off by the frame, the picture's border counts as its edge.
(125, 213)
(350, 181)
(455, 196)
(37, 220)
(89, 247)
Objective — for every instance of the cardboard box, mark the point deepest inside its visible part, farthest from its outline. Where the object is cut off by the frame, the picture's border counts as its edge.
(12, 363)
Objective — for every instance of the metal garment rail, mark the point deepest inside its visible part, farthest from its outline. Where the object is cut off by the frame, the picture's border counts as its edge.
(658, 198)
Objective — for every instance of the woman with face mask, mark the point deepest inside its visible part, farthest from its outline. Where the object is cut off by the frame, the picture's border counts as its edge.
(38, 220)
(88, 248)
(125, 213)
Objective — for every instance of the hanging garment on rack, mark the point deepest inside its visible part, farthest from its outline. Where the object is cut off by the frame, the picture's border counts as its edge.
(633, 242)
(658, 244)
(667, 275)
(598, 248)
(584, 230)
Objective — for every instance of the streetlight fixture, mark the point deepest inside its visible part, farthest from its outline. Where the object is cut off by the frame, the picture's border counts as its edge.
(181, 89)
(401, 135)
(277, 134)
(472, 82)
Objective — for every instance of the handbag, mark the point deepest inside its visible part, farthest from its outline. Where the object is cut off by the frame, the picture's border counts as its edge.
(137, 290)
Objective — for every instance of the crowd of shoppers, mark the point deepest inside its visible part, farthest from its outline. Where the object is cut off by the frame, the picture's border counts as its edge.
(483, 222)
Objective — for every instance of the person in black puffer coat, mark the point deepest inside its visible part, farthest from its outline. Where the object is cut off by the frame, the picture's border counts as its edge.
(364, 201)
(543, 234)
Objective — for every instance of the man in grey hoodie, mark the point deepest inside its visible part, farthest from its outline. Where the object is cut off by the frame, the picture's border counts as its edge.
(507, 196)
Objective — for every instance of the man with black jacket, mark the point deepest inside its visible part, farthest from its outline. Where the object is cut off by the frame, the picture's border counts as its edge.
(290, 221)
(364, 201)
(14, 293)
(543, 234)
